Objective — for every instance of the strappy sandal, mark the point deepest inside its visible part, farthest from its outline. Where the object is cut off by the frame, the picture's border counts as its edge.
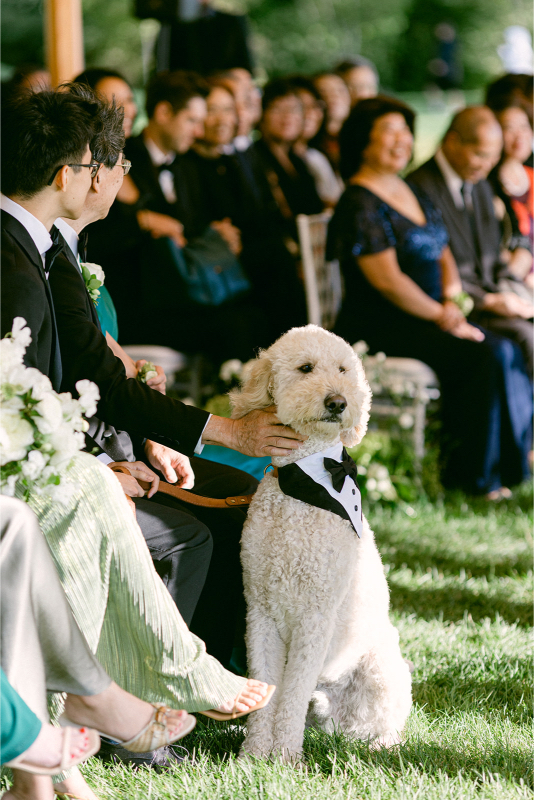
(66, 762)
(155, 734)
(221, 716)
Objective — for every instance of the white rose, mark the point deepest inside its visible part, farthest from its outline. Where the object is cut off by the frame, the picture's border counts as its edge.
(20, 332)
(8, 486)
(360, 347)
(96, 270)
(89, 396)
(380, 357)
(229, 369)
(34, 465)
(13, 403)
(16, 434)
(26, 378)
(10, 358)
(50, 414)
(65, 444)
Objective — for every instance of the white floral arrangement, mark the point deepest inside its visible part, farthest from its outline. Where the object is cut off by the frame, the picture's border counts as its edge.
(94, 278)
(40, 430)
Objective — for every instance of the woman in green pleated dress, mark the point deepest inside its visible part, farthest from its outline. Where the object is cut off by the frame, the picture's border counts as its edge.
(121, 605)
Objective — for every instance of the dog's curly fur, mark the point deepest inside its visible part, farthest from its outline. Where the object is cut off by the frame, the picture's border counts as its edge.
(317, 598)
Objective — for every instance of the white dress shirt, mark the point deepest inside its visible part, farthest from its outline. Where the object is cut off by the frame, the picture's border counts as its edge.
(70, 236)
(452, 179)
(349, 497)
(166, 178)
(41, 237)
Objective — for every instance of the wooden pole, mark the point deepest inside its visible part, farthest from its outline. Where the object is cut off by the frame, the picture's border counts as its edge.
(64, 39)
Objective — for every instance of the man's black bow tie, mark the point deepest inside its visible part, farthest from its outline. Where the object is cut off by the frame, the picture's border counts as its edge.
(340, 470)
(55, 250)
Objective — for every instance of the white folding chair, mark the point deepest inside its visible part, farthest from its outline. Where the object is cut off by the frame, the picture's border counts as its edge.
(322, 278)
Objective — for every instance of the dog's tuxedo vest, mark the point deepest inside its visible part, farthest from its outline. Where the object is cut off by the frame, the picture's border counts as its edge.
(309, 480)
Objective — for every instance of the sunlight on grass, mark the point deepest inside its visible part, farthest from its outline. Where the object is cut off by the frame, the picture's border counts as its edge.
(461, 588)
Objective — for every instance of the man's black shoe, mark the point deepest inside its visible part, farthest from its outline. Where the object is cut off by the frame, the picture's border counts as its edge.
(112, 753)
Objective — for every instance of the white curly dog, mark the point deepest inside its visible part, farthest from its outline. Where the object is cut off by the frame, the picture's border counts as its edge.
(317, 597)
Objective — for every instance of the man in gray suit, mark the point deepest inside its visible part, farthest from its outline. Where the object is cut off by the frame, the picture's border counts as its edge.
(455, 181)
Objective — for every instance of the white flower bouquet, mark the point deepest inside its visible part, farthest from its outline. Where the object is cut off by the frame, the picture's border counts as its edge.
(40, 430)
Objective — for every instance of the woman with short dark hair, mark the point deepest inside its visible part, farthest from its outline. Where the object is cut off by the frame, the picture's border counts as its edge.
(403, 297)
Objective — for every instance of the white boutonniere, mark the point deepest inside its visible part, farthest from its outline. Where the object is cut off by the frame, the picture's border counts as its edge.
(94, 276)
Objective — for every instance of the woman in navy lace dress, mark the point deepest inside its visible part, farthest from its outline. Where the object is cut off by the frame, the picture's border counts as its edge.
(402, 297)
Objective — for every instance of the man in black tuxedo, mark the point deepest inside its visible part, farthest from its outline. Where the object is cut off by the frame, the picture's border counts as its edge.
(34, 193)
(455, 181)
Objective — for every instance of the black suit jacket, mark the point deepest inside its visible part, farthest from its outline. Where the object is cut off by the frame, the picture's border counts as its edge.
(102, 438)
(477, 257)
(189, 205)
(125, 403)
(26, 293)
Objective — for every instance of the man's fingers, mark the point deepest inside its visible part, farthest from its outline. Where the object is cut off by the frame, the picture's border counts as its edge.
(276, 451)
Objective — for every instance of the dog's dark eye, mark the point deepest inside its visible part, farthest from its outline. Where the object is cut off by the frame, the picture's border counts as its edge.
(306, 368)
(342, 369)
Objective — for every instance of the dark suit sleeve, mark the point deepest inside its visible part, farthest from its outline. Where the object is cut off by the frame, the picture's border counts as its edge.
(23, 295)
(124, 402)
(425, 179)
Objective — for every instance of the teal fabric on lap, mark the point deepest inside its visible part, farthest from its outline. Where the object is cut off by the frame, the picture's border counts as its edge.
(222, 455)
(20, 726)
(107, 314)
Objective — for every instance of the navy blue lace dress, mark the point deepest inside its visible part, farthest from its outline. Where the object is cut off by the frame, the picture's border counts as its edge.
(486, 396)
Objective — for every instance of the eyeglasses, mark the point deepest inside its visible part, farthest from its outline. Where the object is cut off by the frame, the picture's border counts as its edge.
(94, 166)
(126, 165)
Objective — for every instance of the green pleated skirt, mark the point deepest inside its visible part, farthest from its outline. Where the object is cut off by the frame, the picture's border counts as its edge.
(119, 601)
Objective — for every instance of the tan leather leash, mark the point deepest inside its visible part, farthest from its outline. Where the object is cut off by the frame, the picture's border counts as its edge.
(196, 499)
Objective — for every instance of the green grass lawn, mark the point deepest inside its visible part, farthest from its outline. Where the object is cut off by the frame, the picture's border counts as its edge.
(460, 575)
(461, 593)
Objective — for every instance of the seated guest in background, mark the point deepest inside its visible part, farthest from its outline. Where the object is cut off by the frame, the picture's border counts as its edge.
(232, 183)
(328, 185)
(281, 126)
(361, 78)
(401, 283)
(166, 177)
(118, 255)
(509, 88)
(336, 97)
(455, 181)
(513, 182)
(291, 184)
(32, 77)
(247, 98)
(44, 650)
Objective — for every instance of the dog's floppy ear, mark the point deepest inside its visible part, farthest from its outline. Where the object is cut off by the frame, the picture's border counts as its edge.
(254, 392)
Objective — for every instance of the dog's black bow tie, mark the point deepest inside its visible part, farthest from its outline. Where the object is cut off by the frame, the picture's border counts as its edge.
(340, 470)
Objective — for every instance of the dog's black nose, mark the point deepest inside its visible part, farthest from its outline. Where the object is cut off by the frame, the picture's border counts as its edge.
(335, 403)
